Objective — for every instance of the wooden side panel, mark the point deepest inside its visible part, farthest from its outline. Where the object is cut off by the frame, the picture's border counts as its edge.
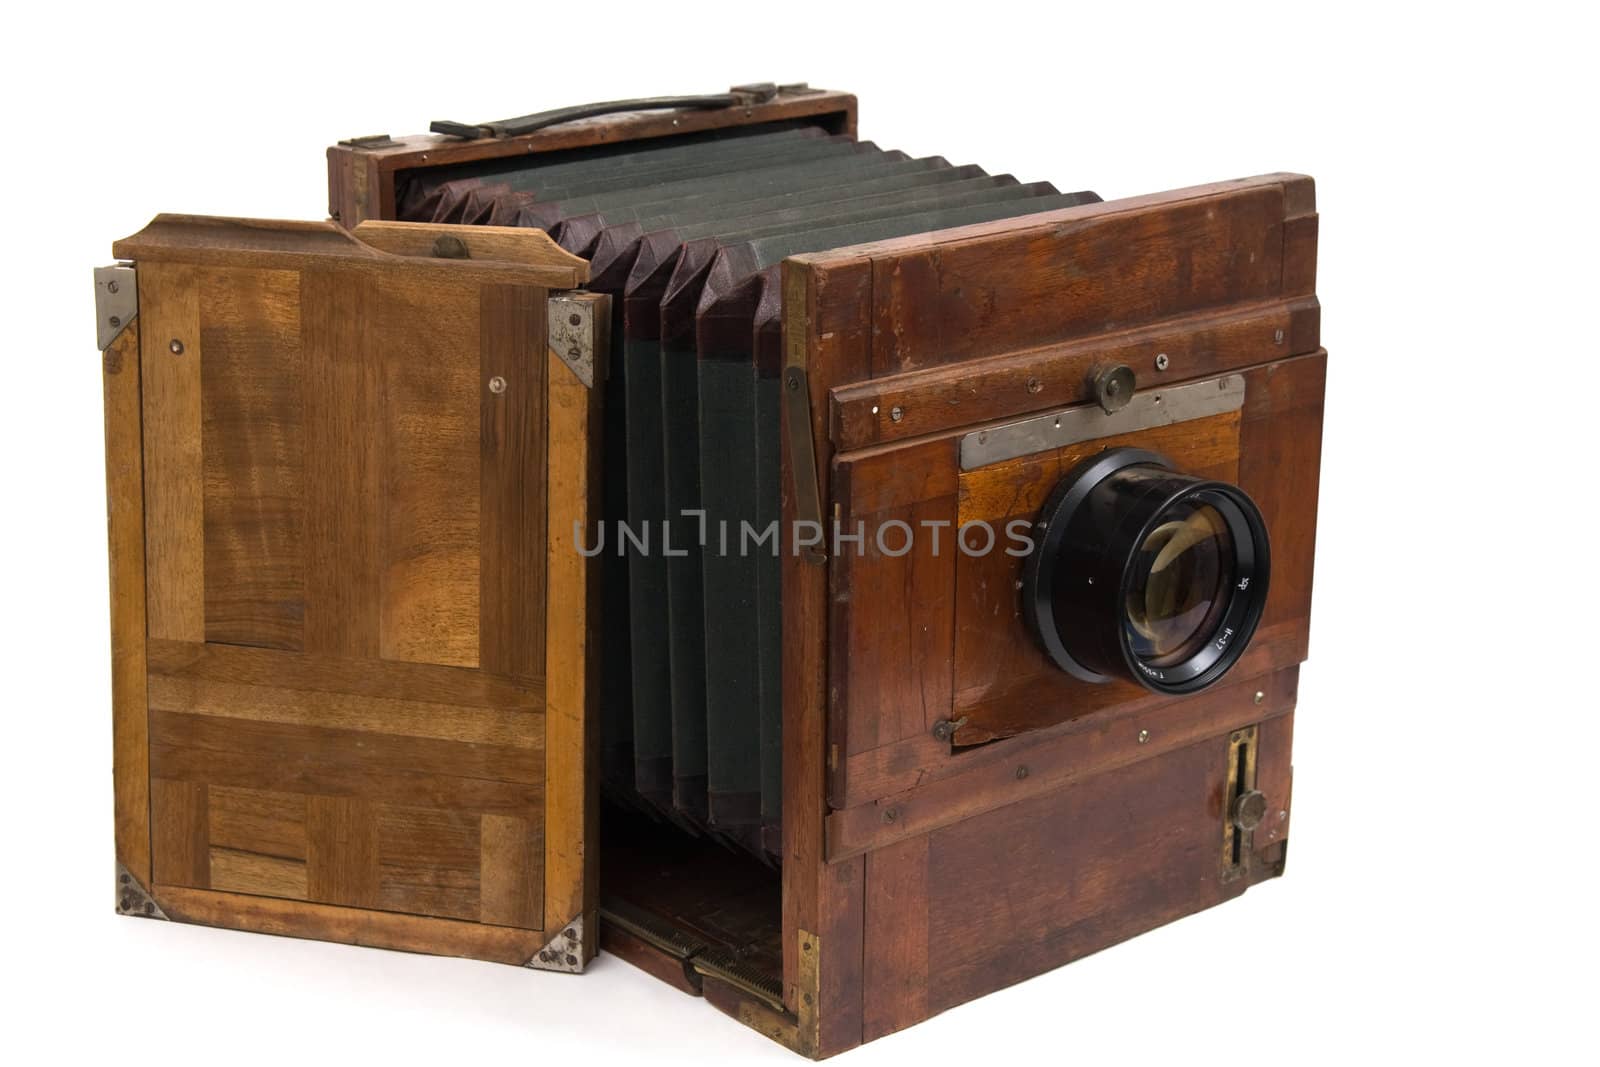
(130, 759)
(897, 948)
(343, 699)
(827, 330)
(573, 656)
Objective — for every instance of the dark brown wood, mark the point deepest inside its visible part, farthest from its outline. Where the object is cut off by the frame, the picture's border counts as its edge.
(361, 177)
(947, 398)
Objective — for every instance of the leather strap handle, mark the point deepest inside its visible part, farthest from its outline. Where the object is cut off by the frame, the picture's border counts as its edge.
(738, 96)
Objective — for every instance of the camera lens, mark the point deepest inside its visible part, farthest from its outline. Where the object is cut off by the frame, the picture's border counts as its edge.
(1144, 572)
(1181, 574)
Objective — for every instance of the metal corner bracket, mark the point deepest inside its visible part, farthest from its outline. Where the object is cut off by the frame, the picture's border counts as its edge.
(116, 301)
(802, 1031)
(571, 329)
(563, 952)
(134, 899)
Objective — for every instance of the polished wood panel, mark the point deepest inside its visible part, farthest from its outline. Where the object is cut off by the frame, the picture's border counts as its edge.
(130, 732)
(252, 448)
(573, 654)
(344, 691)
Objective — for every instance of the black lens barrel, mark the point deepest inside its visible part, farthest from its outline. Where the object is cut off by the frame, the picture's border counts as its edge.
(1076, 580)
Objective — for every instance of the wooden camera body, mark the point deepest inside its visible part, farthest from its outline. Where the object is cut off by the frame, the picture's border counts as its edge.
(362, 672)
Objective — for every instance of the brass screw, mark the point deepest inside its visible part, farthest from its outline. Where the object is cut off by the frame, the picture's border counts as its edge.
(891, 814)
(1277, 337)
(497, 384)
(1260, 696)
(175, 346)
(897, 413)
(1144, 737)
(1034, 385)
(1022, 772)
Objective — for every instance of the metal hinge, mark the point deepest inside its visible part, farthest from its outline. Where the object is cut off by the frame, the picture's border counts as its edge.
(116, 301)
(570, 324)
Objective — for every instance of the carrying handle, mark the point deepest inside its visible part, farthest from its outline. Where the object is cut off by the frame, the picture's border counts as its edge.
(738, 96)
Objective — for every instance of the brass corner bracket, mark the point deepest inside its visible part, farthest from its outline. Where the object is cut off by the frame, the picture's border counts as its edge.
(802, 1031)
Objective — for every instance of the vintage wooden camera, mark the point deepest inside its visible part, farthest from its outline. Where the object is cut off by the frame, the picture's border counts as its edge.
(420, 556)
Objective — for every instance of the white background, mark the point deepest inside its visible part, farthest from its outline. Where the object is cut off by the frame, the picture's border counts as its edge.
(1440, 894)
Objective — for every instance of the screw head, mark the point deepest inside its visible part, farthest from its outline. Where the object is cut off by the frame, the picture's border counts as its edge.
(1144, 737)
(497, 385)
(891, 814)
(1162, 362)
(115, 320)
(575, 319)
(1277, 337)
(112, 287)
(175, 346)
(1022, 772)
(1260, 696)
(1035, 385)
(897, 413)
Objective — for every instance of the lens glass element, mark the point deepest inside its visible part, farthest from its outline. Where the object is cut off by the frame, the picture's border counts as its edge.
(1180, 584)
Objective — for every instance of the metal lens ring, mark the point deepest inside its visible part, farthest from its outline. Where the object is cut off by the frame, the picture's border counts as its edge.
(1142, 572)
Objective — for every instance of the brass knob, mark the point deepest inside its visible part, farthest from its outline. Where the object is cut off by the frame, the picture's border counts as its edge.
(1249, 808)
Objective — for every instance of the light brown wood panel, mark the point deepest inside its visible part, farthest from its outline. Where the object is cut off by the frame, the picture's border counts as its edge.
(507, 244)
(342, 851)
(344, 462)
(353, 926)
(130, 730)
(253, 457)
(511, 883)
(428, 861)
(174, 474)
(270, 668)
(180, 832)
(431, 430)
(510, 593)
(316, 760)
(574, 656)
(518, 728)
(345, 683)
(251, 872)
(258, 821)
